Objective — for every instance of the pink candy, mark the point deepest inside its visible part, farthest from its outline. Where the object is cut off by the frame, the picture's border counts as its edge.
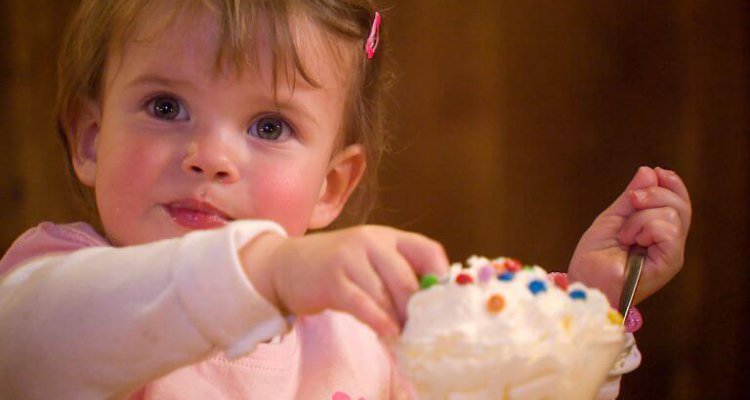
(634, 320)
(486, 273)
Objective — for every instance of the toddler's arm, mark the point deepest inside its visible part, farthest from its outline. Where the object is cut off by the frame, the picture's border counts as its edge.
(99, 322)
(368, 271)
(654, 211)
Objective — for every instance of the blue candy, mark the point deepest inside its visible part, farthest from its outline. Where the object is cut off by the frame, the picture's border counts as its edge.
(506, 276)
(537, 286)
(577, 295)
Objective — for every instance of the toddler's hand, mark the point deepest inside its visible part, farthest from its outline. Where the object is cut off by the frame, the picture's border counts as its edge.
(367, 271)
(654, 212)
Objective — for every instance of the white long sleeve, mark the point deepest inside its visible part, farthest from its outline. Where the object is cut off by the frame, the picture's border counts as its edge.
(99, 322)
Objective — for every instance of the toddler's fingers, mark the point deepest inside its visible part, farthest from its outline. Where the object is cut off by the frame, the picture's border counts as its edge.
(665, 255)
(364, 275)
(670, 180)
(425, 255)
(657, 197)
(622, 206)
(644, 177)
(632, 232)
(661, 233)
(353, 300)
(398, 276)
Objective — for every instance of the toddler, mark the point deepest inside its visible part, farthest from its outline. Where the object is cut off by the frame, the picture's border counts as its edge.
(213, 135)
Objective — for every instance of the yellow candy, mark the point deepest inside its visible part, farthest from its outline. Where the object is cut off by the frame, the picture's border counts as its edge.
(615, 317)
(567, 323)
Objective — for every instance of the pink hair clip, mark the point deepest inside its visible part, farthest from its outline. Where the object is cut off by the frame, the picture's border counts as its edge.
(372, 42)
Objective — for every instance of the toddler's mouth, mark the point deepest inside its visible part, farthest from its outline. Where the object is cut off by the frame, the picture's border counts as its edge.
(196, 214)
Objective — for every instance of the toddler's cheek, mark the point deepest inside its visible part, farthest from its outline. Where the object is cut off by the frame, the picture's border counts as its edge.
(289, 202)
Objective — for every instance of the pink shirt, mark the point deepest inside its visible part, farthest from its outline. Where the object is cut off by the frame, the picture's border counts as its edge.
(174, 319)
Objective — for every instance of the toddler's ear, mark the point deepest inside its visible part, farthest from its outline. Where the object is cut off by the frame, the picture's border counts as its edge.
(344, 173)
(87, 130)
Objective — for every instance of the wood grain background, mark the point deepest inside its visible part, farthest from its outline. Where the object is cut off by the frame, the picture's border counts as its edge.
(516, 123)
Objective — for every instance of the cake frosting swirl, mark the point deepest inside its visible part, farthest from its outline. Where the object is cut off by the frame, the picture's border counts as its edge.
(495, 329)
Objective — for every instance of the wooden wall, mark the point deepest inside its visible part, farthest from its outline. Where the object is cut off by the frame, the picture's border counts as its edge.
(516, 123)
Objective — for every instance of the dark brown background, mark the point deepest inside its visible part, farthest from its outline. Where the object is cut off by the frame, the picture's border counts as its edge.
(517, 122)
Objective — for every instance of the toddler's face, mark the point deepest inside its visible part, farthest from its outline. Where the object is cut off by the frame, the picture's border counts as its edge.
(176, 146)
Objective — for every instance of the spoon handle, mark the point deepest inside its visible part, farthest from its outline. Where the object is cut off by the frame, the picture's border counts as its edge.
(633, 268)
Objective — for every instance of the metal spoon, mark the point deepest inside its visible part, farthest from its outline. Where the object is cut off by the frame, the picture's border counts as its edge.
(633, 268)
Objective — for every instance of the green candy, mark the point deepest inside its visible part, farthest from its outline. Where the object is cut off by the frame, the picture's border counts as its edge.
(428, 280)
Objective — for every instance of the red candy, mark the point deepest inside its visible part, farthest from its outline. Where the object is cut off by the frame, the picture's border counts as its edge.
(560, 279)
(464, 279)
(513, 265)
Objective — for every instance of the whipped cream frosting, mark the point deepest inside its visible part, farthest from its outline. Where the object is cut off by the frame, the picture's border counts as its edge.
(495, 329)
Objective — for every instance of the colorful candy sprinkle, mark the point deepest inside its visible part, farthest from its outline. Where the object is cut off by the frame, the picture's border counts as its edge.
(537, 286)
(633, 321)
(506, 276)
(428, 280)
(577, 295)
(567, 322)
(614, 317)
(513, 265)
(486, 273)
(495, 303)
(528, 267)
(464, 279)
(560, 279)
(499, 267)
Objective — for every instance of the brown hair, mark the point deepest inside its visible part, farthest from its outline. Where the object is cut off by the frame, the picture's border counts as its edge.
(99, 27)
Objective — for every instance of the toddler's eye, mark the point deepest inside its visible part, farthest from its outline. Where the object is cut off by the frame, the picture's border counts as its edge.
(165, 107)
(270, 128)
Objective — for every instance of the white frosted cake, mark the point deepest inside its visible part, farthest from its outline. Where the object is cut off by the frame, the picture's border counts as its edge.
(498, 330)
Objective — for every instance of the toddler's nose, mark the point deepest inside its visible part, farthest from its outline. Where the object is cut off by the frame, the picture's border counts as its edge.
(210, 163)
